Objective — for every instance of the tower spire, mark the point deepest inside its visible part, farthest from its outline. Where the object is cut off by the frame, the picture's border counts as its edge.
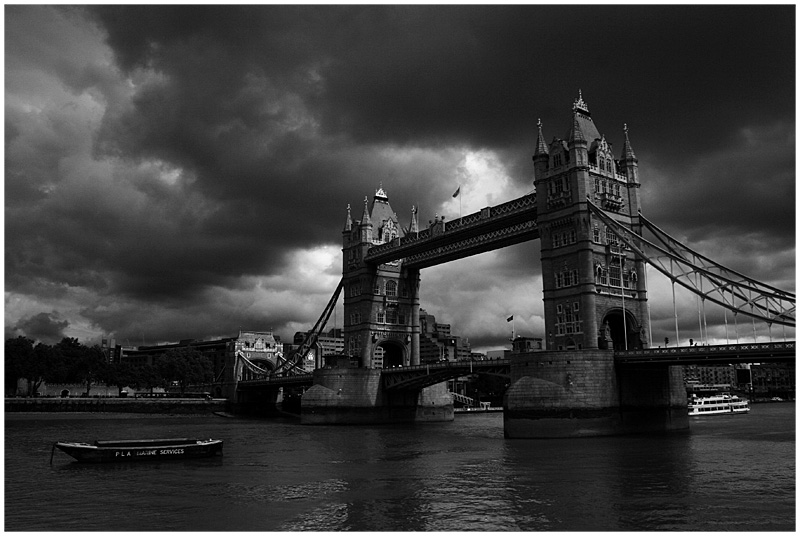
(414, 228)
(365, 216)
(579, 105)
(541, 146)
(348, 224)
(627, 150)
(575, 133)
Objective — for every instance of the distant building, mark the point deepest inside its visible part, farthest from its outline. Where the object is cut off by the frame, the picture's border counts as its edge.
(262, 348)
(527, 344)
(327, 344)
(437, 343)
(764, 380)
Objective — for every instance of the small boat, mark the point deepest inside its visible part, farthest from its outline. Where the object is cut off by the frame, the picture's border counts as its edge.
(135, 450)
(717, 404)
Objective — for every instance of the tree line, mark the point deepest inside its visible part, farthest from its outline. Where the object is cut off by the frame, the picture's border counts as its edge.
(69, 361)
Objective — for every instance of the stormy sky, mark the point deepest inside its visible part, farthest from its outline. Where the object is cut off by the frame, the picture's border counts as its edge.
(182, 172)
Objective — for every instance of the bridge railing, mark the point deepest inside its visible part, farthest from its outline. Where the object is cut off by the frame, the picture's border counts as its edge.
(715, 354)
(448, 364)
(717, 348)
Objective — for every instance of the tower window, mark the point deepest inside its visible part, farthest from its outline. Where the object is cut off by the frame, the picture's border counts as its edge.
(377, 288)
(611, 238)
(614, 276)
(391, 288)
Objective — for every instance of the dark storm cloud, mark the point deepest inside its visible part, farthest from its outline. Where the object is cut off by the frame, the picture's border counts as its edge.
(46, 328)
(206, 145)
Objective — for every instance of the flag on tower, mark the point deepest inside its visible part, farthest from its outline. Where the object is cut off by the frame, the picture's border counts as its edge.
(458, 191)
(510, 318)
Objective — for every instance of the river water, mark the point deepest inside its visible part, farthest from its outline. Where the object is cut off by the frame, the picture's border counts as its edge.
(729, 473)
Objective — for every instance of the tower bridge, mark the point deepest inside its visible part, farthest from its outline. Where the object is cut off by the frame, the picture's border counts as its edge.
(599, 363)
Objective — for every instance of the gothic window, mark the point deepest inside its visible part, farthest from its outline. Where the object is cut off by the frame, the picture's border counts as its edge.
(597, 185)
(355, 318)
(573, 236)
(556, 160)
(381, 317)
(391, 288)
(377, 288)
(611, 238)
(355, 289)
(391, 316)
(596, 234)
(403, 290)
(602, 165)
(570, 321)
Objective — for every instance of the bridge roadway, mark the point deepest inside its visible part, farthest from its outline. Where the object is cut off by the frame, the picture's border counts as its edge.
(420, 376)
(488, 229)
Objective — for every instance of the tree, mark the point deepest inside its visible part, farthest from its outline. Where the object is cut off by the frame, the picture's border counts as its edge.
(186, 366)
(21, 362)
(123, 375)
(83, 364)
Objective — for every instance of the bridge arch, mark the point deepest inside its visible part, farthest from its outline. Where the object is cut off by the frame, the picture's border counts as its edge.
(395, 353)
(612, 333)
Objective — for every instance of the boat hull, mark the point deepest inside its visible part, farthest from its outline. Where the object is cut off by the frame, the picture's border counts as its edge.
(140, 451)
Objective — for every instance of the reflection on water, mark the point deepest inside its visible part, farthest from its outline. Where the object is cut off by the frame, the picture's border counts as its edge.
(729, 473)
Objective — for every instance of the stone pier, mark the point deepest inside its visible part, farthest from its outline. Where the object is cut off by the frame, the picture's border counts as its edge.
(558, 394)
(356, 396)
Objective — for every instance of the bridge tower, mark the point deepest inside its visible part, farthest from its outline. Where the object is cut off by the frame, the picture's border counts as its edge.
(595, 301)
(381, 302)
(594, 289)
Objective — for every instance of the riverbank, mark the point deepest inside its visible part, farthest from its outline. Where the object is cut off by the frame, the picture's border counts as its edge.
(116, 405)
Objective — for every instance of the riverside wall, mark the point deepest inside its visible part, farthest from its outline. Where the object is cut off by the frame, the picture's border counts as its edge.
(115, 405)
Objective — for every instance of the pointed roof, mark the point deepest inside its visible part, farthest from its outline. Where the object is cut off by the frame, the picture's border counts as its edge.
(575, 133)
(541, 146)
(381, 209)
(348, 224)
(414, 228)
(582, 121)
(365, 220)
(627, 150)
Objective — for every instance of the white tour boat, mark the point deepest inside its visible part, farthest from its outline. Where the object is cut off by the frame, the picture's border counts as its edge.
(717, 404)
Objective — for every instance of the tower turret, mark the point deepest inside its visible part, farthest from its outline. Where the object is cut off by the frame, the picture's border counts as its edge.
(541, 155)
(414, 227)
(348, 223)
(576, 141)
(365, 226)
(629, 166)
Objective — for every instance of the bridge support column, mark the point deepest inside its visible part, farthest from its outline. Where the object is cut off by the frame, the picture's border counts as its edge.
(356, 396)
(583, 394)
(415, 327)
